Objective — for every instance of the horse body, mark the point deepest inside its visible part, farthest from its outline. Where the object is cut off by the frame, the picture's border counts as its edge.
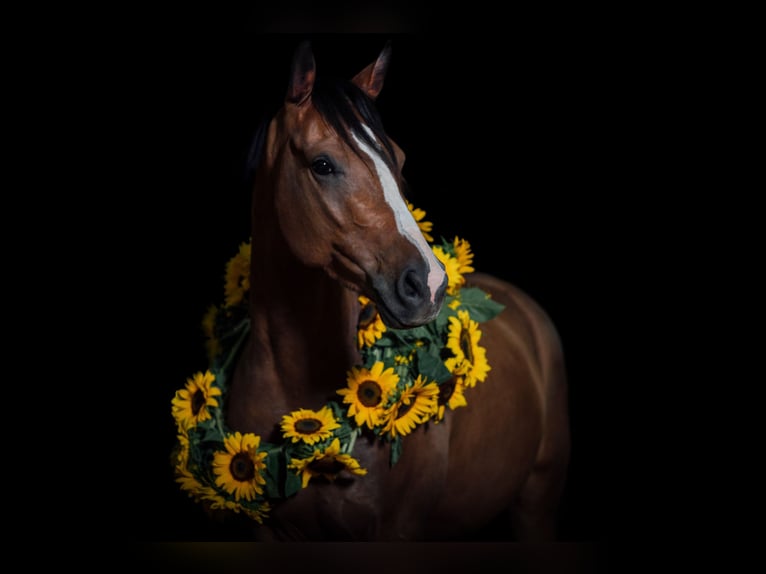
(321, 236)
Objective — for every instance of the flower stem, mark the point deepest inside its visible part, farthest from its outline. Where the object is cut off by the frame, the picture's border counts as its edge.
(352, 440)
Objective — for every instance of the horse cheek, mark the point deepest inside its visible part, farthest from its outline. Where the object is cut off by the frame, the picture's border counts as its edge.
(303, 231)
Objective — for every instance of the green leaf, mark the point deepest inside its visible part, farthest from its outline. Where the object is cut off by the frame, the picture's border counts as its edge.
(400, 339)
(479, 305)
(432, 366)
(417, 333)
(208, 431)
(299, 450)
(293, 484)
(370, 359)
(274, 468)
(384, 341)
(448, 246)
(338, 411)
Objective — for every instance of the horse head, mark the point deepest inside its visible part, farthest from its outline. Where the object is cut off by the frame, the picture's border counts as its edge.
(338, 192)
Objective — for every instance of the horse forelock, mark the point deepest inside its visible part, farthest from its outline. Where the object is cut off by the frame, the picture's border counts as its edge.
(350, 112)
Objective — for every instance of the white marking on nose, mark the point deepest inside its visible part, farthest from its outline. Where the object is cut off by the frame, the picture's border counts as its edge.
(405, 222)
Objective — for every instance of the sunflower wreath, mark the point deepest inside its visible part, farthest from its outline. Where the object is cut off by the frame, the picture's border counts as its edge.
(407, 378)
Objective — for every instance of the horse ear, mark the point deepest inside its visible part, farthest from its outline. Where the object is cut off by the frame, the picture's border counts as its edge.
(302, 74)
(370, 80)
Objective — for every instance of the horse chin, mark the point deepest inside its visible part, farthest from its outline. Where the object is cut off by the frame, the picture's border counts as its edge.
(399, 321)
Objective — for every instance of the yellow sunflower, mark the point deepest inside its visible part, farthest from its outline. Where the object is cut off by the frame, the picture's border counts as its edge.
(367, 393)
(371, 326)
(470, 360)
(190, 404)
(182, 449)
(464, 256)
(415, 406)
(455, 279)
(259, 514)
(407, 359)
(328, 463)
(239, 470)
(237, 276)
(218, 502)
(208, 329)
(451, 394)
(193, 487)
(309, 426)
(425, 226)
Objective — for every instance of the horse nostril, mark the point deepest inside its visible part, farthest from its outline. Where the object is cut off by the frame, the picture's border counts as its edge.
(411, 287)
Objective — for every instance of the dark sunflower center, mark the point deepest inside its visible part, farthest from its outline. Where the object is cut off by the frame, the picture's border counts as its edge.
(326, 466)
(367, 315)
(446, 390)
(242, 467)
(465, 345)
(369, 393)
(308, 426)
(197, 402)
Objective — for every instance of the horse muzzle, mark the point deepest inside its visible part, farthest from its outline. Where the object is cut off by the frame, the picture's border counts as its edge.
(408, 301)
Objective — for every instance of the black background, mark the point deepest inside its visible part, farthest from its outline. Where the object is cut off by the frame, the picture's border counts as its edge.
(508, 143)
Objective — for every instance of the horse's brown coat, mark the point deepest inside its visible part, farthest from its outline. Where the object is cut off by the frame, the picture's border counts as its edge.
(312, 253)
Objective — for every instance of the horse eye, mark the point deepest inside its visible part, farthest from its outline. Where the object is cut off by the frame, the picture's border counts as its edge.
(321, 166)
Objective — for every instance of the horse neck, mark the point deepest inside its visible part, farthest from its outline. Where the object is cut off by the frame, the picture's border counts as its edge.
(303, 324)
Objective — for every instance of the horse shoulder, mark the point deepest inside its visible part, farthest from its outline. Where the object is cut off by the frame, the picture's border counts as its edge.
(525, 331)
(515, 421)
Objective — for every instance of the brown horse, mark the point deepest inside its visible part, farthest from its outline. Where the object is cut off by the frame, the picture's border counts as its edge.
(330, 223)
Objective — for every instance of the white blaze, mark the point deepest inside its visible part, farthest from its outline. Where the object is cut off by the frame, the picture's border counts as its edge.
(405, 222)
